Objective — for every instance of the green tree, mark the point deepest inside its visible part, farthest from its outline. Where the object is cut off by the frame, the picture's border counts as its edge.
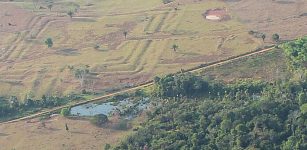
(275, 37)
(296, 52)
(49, 42)
(65, 112)
(175, 47)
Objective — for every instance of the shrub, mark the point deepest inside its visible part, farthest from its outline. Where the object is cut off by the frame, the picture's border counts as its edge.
(65, 112)
(99, 119)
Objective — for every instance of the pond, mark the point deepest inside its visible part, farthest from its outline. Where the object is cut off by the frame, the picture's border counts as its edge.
(125, 107)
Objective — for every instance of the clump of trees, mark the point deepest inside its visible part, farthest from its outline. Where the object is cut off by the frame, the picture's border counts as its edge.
(296, 52)
(12, 107)
(180, 85)
(249, 115)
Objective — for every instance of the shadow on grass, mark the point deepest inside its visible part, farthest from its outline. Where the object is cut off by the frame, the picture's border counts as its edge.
(67, 52)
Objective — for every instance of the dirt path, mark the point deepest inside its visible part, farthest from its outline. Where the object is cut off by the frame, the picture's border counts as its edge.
(149, 83)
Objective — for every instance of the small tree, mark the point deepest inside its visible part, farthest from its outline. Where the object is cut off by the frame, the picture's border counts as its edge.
(49, 42)
(263, 37)
(275, 37)
(70, 13)
(81, 73)
(65, 111)
(175, 47)
(125, 34)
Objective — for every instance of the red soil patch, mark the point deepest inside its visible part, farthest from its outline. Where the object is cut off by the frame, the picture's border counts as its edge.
(217, 14)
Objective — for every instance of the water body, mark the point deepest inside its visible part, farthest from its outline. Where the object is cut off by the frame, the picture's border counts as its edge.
(92, 109)
(109, 108)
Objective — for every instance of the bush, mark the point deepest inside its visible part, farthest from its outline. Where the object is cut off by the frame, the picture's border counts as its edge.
(275, 37)
(65, 112)
(99, 119)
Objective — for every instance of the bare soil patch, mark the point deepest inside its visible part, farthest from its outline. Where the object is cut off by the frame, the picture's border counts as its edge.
(217, 14)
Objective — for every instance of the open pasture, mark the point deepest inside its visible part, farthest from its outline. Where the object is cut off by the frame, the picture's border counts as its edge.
(95, 37)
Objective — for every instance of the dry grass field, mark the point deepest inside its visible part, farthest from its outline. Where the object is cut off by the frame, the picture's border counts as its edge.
(50, 134)
(94, 37)
(269, 66)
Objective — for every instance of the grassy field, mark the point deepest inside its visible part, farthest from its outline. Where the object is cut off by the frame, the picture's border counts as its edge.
(32, 134)
(94, 37)
(269, 66)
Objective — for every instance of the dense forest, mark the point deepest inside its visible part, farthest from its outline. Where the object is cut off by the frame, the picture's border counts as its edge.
(195, 113)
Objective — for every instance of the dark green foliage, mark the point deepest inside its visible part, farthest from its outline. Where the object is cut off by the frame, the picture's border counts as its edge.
(99, 119)
(275, 37)
(70, 13)
(107, 147)
(175, 47)
(65, 112)
(193, 113)
(12, 108)
(296, 52)
(49, 42)
(180, 85)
